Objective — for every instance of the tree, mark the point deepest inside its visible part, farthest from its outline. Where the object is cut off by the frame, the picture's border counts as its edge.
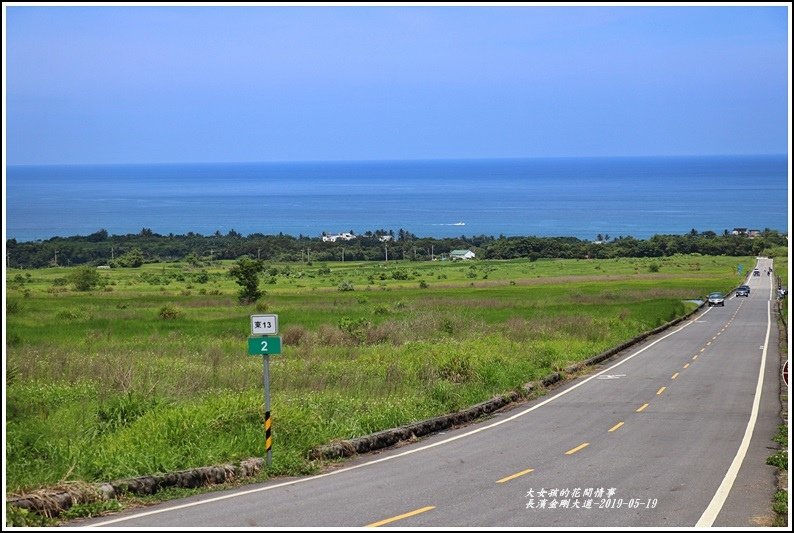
(133, 259)
(99, 236)
(246, 274)
(84, 278)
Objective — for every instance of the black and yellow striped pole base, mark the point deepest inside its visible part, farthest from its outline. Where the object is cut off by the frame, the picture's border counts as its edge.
(268, 437)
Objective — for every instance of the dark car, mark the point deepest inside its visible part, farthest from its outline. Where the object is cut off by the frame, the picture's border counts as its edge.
(742, 290)
(716, 298)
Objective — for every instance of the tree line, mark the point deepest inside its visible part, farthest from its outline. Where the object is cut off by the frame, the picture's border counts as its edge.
(131, 250)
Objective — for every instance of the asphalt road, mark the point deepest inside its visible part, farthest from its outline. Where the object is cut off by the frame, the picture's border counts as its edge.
(672, 433)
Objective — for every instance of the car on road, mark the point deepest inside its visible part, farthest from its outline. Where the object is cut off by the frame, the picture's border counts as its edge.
(716, 298)
(756, 272)
(742, 290)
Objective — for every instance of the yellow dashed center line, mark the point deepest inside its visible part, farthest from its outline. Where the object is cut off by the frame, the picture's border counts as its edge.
(708, 343)
(615, 427)
(518, 474)
(660, 391)
(702, 350)
(686, 365)
(574, 450)
(400, 517)
(674, 375)
(642, 408)
(694, 357)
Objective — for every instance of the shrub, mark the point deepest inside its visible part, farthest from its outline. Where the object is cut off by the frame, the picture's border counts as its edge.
(386, 332)
(423, 284)
(294, 335)
(72, 314)
(345, 286)
(13, 307)
(84, 278)
(447, 326)
(170, 312)
(331, 336)
(654, 267)
(355, 327)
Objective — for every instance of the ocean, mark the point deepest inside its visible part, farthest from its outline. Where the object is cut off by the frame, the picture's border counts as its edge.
(571, 197)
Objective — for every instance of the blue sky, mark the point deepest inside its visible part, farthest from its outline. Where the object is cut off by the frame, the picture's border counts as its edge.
(215, 84)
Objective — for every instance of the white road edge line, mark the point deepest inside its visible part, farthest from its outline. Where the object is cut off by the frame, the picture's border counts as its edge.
(715, 506)
(389, 458)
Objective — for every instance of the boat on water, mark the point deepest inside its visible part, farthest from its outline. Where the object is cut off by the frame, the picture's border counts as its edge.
(459, 224)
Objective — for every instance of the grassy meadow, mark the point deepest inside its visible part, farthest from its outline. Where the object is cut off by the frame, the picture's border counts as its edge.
(149, 371)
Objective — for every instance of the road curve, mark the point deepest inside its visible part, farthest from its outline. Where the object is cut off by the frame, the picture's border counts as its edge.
(673, 433)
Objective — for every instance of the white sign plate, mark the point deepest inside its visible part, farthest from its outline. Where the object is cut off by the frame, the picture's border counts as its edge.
(264, 324)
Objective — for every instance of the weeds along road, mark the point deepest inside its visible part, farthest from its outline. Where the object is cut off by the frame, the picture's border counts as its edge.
(675, 433)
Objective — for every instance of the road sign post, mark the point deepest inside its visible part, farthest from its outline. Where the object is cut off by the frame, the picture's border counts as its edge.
(265, 342)
(268, 437)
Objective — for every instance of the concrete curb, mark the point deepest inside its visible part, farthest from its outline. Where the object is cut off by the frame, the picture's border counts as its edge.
(51, 502)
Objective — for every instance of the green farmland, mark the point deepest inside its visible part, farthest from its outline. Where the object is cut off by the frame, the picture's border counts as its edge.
(148, 371)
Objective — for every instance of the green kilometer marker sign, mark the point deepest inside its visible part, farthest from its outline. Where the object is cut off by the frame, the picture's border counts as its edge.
(264, 345)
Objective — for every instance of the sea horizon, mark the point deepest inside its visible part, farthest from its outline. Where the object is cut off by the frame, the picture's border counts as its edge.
(563, 196)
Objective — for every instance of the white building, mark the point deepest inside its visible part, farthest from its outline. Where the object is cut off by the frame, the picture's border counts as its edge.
(338, 236)
(461, 254)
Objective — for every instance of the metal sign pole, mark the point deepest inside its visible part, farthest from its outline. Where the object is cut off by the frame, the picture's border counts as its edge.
(268, 438)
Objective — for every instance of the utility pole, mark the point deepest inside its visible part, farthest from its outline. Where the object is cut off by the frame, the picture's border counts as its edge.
(257, 253)
(112, 254)
(56, 257)
(431, 252)
(343, 254)
(387, 252)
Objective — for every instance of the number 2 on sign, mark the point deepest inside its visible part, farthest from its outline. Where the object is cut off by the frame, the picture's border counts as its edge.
(264, 346)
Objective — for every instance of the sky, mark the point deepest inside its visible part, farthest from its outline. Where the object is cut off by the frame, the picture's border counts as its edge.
(211, 83)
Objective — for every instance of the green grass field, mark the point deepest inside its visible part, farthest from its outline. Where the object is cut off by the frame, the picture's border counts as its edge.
(149, 372)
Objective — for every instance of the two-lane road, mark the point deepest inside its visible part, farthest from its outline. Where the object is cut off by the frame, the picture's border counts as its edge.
(658, 437)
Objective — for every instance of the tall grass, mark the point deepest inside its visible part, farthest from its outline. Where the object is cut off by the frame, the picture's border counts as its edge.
(153, 376)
